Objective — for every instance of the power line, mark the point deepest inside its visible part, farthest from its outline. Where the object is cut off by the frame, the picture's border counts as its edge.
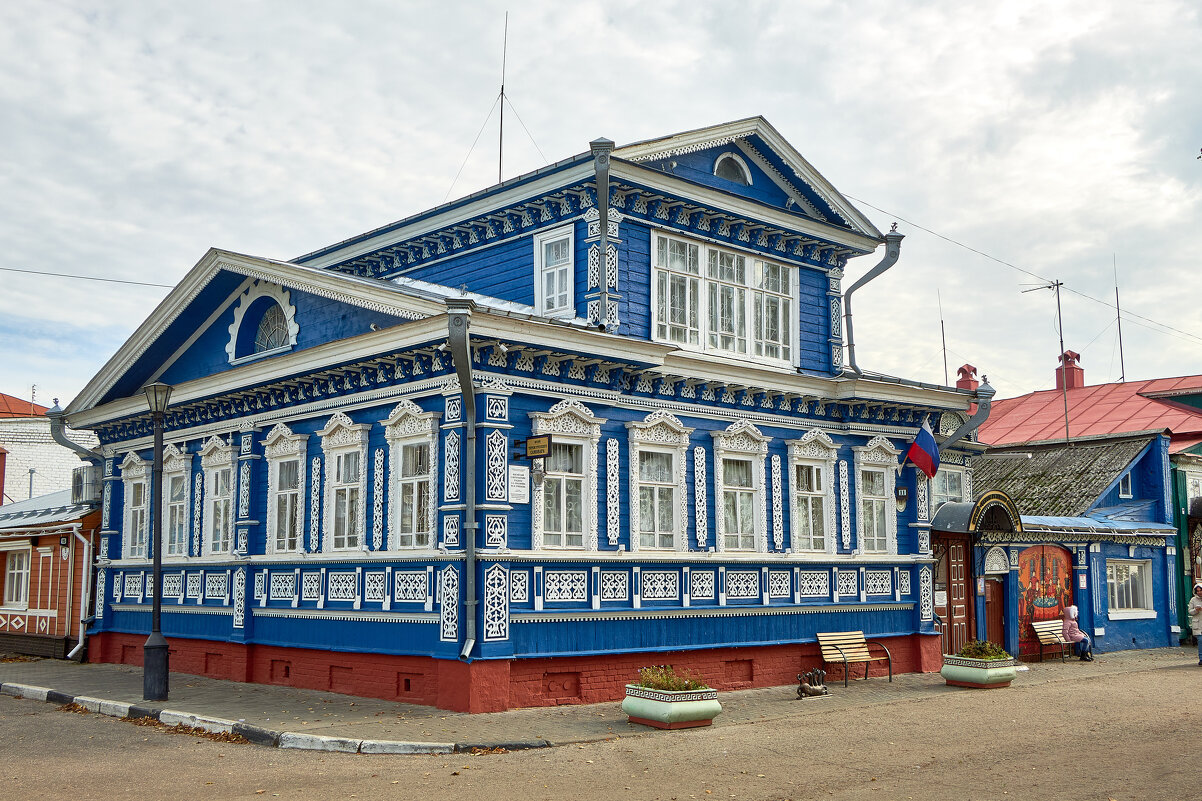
(85, 277)
(1130, 315)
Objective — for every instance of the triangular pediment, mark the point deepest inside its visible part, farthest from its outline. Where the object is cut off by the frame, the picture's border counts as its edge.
(776, 173)
(194, 332)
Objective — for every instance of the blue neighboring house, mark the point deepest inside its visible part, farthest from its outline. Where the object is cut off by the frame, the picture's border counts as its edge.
(1088, 522)
(506, 451)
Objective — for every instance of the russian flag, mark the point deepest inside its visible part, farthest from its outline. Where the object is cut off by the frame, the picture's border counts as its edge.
(924, 452)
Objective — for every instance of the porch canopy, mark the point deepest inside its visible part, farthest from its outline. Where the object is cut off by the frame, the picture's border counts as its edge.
(993, 511)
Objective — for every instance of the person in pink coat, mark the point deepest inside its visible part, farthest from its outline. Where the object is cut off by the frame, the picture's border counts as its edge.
(1070, 631)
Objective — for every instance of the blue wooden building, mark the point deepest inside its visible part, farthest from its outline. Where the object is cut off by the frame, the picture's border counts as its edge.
(350, 502)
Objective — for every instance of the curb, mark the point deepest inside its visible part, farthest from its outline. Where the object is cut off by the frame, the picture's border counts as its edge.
(254, 734)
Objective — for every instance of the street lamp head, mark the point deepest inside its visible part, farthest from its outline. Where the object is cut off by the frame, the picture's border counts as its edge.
(157, 396)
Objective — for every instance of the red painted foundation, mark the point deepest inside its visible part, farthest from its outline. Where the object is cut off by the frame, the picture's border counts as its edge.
(500, 684)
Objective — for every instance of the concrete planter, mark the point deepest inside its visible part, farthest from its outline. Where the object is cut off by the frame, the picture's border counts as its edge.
(985, 674)
(669, 709)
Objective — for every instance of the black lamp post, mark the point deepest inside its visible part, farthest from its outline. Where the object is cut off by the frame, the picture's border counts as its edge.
(154, 652)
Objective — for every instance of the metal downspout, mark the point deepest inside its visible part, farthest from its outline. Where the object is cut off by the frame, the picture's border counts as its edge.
(601, 149)
(892, 251)
(85, 589)
(459, 318)
(58, 434)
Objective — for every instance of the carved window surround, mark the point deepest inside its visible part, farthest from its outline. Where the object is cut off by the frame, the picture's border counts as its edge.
(569, 421)
(878, 454)
(814, 448)
(340, 437)
(407, 424)
(660, 431)
(135, 528)
(280, 446)
(741, 440)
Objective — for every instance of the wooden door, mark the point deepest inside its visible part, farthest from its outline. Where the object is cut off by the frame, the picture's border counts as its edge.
(1045, 574)
(995, 610)
(953, 590)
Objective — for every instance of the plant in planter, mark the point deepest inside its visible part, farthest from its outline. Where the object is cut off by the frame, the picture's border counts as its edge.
(984, 665)
(666, 699)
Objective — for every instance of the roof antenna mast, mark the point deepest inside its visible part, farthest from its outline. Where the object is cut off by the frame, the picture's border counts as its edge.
(1055, 286)
(943, 335)
(1118, 316)
(501, 127)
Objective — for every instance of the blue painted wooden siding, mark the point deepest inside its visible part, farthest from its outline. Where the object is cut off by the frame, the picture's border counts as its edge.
(699, 167)
(504, 270)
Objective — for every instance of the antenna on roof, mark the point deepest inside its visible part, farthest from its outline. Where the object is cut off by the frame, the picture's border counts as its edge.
(1055, 286)
(1118, 316)
(943, 335)
(501, 127)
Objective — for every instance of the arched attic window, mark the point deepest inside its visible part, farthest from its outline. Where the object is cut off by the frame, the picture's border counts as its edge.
(264, 323)
(731, 167)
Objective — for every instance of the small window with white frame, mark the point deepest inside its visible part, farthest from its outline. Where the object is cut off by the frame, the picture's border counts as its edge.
(412, 436)
(554, 274)
(947, 486)
(731, 167)
(135, 477)
(876, 515)
(1129, 586)
(564, 504)
(175, 500)
(811, 487)
(16, 561)
(285, 454)
(216, 459)
(657, 448)
(739, 456)
(345, 445)
(1125, 486)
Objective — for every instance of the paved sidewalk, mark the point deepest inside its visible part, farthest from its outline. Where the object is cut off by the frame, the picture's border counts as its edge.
(293, 718)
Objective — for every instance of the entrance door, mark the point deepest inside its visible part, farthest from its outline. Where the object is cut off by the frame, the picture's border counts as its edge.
(995, 610)
(953, 598)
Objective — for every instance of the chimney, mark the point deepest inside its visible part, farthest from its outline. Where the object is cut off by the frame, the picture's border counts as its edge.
(1069, 374)
(967, 377)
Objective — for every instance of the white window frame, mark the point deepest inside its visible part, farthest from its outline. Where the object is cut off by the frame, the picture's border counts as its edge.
(752, 298)
(879, 454)
(217, 456)
(135, 471)
(569, 422)
(737, 159)
(946, 497)
(340, 437)
(177, 465)
(281, 446)
(541, 301)
(408, 425)
(1119, 612)
(7, 552)
(282, 298)
(660, 432)
(815, 449)
(1126, 486)
(741, 440)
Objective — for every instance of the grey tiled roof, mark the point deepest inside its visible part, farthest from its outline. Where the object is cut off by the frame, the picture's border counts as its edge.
(1058, 479)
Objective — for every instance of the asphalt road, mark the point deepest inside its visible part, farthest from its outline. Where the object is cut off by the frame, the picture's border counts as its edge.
(1128, 736)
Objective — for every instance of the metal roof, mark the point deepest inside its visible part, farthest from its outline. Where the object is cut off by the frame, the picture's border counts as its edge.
(56, 507)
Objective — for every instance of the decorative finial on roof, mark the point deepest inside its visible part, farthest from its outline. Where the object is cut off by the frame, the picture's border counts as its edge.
(893, 228)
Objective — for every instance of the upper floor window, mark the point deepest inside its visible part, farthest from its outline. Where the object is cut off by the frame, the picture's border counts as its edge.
(285, 454)
(732, 168)
(564, 505)
(739, 455)
(134, 476)
(811, 460)
(412, 436)
(554, 274)
(16, 577)
(876, 515)
(345, 447)
(175, 500)
(739, 306)
(946, 486)
(563, 496)
(216, 458)
(1125, 486)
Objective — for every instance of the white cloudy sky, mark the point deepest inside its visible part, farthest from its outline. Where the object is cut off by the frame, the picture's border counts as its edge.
(1056, 137)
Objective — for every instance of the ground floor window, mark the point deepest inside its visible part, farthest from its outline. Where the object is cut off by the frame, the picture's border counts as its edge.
(1129, 585)
(16, 578)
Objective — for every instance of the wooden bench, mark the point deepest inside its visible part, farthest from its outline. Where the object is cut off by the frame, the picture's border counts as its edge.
(1048, 632)
(848, 647)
